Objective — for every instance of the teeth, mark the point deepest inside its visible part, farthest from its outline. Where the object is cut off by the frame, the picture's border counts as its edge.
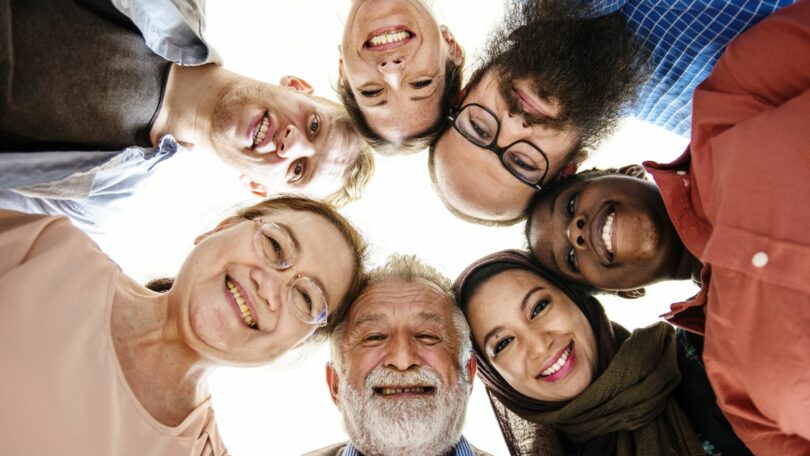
(243, 307)
(558, 365)
(418, 389)
(261, 132)
(607, 232)
(390, 37)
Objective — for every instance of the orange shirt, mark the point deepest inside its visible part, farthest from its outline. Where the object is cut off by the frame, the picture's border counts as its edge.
(740, 201)
(62, 390)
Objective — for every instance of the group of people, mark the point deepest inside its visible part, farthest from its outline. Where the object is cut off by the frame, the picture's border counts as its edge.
(97, 93)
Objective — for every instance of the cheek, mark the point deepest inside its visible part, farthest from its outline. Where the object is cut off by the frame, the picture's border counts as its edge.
(212, 321)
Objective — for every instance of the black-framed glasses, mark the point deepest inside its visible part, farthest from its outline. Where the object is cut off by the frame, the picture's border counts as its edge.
(480, 126)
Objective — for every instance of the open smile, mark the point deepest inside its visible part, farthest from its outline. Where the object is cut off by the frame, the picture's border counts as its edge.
(403, 391)
(603, 234)
(559, 366)
(241, 303)
(260, 133)
(387, 38)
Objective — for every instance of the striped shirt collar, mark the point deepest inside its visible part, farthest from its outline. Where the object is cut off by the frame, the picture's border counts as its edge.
(462, 448)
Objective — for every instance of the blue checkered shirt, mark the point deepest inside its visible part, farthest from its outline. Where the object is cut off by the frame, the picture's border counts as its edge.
(462, 448)
(686, 38)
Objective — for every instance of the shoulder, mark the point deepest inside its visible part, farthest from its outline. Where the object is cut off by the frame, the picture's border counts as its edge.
(332, 450)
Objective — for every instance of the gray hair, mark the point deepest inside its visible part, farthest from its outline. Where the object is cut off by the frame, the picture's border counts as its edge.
(409, 268)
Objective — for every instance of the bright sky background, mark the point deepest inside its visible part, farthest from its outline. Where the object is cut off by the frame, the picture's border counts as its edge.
(285, 409)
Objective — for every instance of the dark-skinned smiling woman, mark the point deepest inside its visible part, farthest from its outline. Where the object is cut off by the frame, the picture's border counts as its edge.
(95, 363)
(563, 378)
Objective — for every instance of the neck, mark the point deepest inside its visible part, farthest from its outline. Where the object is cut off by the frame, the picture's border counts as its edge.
(188, 102)
(166, 375)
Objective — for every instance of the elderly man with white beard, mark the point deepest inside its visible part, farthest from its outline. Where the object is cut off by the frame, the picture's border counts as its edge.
(402, 366)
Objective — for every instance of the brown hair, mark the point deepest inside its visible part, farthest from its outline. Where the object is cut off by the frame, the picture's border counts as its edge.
(349, 233)
(452, 85)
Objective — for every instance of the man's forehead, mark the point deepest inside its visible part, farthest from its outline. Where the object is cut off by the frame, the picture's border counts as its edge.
(389, 297)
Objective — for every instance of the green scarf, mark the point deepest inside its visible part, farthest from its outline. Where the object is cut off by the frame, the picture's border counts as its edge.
(632, 398)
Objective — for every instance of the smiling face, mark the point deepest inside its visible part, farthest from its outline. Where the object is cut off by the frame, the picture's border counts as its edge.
(399, 384)
(231, 307)
(611, 232)
(472, 179)
(533, 335)
(282, 139)
(393, 58)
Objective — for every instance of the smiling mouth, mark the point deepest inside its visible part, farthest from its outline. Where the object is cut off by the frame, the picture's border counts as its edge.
(387, 391)
(388, 38)
(607, 232)
(529, 105)
(262, 142)
(244, 309)
(603, 236)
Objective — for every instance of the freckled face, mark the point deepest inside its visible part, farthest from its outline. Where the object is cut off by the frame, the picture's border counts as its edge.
(612, 232)
(534, 335)
(393, 58)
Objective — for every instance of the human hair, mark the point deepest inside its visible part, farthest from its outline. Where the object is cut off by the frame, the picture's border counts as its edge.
(347, 231)
(452, 85)
(410, 268)
(358, 175)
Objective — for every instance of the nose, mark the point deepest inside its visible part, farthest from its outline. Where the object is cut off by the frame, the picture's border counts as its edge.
(292, 146)
(513, 128)
(540, 346)
(273, 285)
(402, 353)
(391, 70)
(576, 233)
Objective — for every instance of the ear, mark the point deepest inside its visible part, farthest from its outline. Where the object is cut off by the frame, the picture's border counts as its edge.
(222, 225)
(254, 187)
(340, 66)
(472, 365)
(632, 294)
(633, 171)
(295, 83)
(456, 51)
(332, 380)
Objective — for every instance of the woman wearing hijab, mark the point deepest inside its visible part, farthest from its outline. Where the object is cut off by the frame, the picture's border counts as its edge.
(551, 360)
(95, 363)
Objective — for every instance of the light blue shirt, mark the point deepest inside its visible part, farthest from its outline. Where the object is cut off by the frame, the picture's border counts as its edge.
(90, 187)
(686, 38)
(462, 448)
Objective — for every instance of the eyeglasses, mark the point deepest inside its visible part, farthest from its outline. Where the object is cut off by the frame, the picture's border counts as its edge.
(480, 126)
(276, 246)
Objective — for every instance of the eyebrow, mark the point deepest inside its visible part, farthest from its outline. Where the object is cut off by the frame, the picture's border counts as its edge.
(368, 318)
(431, 316)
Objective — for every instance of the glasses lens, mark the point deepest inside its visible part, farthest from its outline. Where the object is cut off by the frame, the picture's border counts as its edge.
(308, 302)
(477, 124)
(275, 245)
(526, 162)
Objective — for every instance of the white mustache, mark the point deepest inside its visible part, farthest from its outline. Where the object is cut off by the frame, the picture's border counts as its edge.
(419, 376)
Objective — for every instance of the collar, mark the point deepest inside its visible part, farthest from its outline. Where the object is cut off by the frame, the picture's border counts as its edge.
(462, 448)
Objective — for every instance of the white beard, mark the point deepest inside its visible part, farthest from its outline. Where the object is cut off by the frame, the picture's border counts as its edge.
(426, 426)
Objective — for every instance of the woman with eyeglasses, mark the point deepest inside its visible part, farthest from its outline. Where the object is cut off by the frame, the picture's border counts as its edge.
(562, 378)
(95, 363)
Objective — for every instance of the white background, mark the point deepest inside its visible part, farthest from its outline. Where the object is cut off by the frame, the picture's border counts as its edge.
(285, 409)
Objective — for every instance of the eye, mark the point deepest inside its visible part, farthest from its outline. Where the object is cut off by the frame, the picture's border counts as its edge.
(522, 164)
(503, 343)
(570, 206)
(314, 125)
(571, 260)
(421, 84)
(482, 133)
(428, 338)
(370, 92)
(372, 339)
(539, 307)
(296, 171)
(306, 299)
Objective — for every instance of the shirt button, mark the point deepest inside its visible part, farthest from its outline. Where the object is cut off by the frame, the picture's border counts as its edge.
(759, 259)
(681, 173)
